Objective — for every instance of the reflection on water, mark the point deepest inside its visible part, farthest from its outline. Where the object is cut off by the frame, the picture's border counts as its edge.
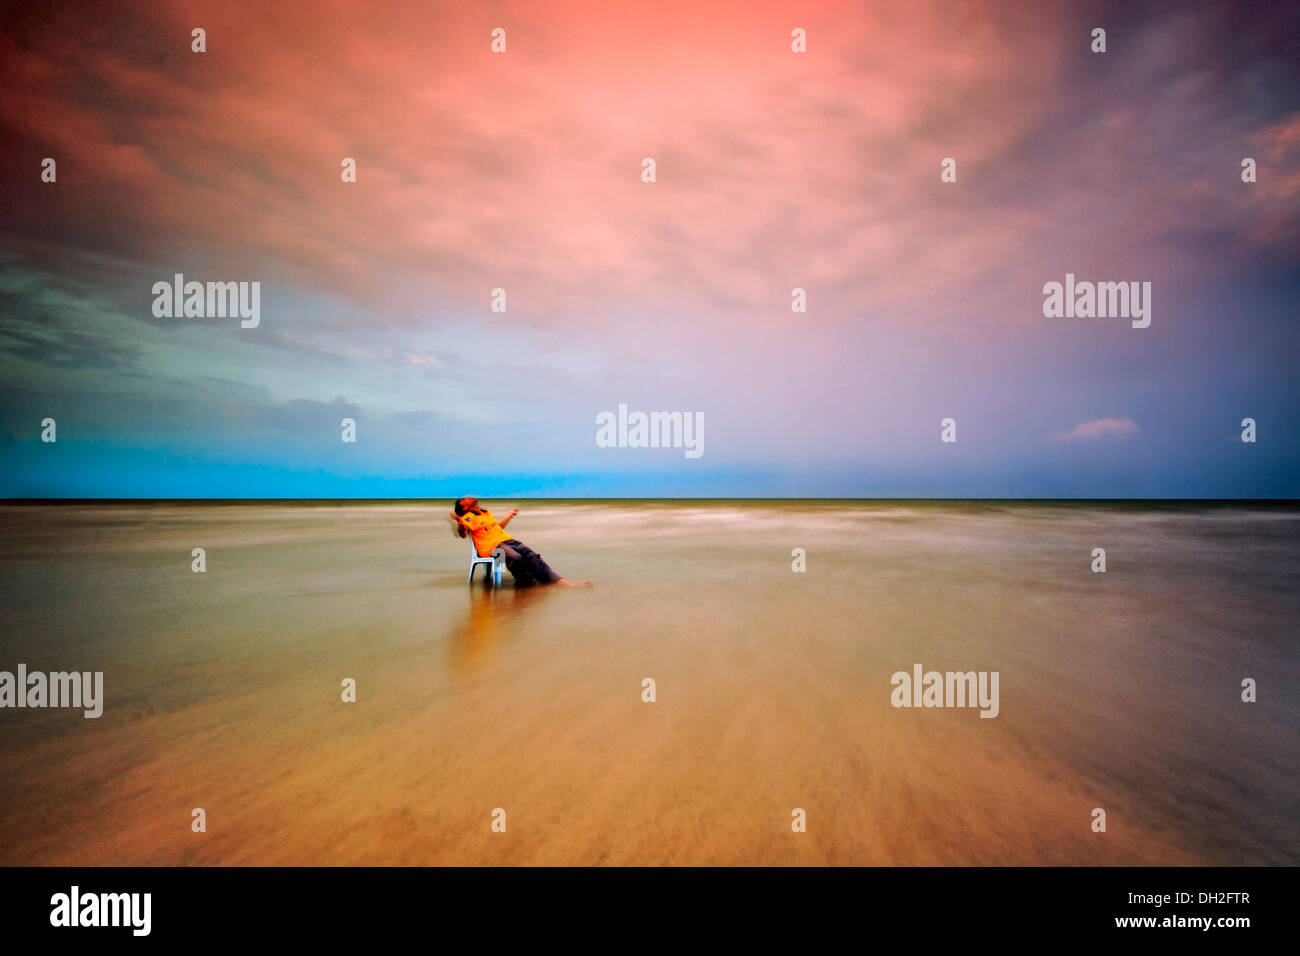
(222, 690)
(491, 616)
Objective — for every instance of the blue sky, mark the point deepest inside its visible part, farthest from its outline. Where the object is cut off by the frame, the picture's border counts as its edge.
(776, 170)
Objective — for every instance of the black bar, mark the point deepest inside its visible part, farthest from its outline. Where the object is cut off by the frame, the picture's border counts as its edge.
(670, 907)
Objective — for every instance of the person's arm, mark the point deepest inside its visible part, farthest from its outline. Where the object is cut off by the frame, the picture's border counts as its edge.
(457, 525)
(506, 520)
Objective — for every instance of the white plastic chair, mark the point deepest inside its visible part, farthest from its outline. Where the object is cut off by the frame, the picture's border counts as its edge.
(496, 562)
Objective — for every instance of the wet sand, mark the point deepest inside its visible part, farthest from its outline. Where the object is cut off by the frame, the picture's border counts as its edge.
(1118, 690)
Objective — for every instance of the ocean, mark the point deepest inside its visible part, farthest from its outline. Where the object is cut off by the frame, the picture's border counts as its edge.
(1118, 691)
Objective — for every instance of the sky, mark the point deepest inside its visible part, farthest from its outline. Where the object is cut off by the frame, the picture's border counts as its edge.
(774, 170)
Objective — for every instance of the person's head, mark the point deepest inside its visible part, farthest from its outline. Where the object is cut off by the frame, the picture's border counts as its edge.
(468, 503)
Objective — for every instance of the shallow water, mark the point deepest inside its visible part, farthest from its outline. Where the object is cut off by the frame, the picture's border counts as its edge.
(1118, 690)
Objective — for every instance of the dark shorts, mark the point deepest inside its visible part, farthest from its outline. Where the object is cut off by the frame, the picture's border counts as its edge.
(527, 565)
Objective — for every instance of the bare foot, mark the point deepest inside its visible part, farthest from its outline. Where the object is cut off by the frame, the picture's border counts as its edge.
(575, 584)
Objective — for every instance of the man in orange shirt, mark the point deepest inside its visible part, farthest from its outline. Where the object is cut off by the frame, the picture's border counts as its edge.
(525, 564)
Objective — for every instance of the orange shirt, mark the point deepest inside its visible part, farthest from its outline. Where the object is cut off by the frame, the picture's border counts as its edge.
(485, 531)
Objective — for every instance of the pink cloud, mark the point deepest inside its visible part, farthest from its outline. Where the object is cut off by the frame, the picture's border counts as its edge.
(1101, 428)
(475, 171)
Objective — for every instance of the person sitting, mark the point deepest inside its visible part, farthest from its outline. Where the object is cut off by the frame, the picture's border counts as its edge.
(524, 564)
